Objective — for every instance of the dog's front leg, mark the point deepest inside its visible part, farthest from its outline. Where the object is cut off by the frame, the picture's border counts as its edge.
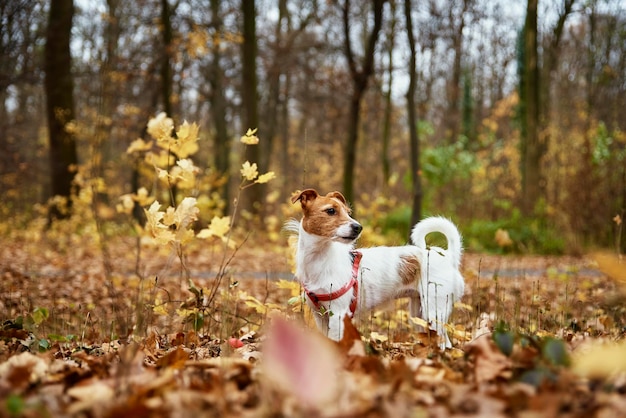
(321, 320)
(331, 324)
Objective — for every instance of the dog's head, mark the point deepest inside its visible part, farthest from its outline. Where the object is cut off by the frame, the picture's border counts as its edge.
(327, 216)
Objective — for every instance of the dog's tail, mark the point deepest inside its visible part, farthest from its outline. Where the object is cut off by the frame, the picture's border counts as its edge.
(445, 227)
(292, 227)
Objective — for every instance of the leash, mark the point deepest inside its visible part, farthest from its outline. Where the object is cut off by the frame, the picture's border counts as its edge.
(352, 284)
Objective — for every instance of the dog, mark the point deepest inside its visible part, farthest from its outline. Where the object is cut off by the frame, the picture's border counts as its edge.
(340, 281)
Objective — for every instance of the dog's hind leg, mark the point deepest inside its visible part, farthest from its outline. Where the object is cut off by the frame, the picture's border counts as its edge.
(415, 310)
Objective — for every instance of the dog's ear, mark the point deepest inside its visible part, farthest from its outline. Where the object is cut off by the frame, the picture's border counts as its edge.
(338, 196)
(304, 196)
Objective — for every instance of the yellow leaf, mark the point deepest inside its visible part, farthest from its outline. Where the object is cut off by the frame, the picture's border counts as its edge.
(291, 285)
(142, 197)
(153, 213)
(186, 212)
(378, 337)
(187, 132)
(159, 159)
(161, 174)
(611, 265)
(160, 127)
(126, 204)
(218, 227)
(256, 304)
(250, 138)
(185, 235)
(463, 306)
(185, 173)
(249, 171)
(159, 306)
(288, 284)
(155, 227)
(600, 361)
(264, 178)
(168, 216)
(139, 145)
(420, 322)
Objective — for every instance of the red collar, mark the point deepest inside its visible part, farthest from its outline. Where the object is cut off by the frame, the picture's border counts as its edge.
(353, 283)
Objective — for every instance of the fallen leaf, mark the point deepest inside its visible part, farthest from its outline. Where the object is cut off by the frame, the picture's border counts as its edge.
(600, 360)
(489, 361)
(301, 362)
(235, 342)
(351, 342)
(611, 265)
(175, 358)
(23, 369)
(89, 395)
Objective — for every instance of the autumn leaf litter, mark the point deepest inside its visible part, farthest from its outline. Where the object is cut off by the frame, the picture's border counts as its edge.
(77, 341)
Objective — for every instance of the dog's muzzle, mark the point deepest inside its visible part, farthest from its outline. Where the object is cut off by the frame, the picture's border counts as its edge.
(349, 232)
(356, 229)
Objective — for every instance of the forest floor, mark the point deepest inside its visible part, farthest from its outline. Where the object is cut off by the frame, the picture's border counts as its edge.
(225, 334)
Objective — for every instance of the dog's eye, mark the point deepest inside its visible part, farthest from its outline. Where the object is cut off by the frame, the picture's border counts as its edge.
(330, 211)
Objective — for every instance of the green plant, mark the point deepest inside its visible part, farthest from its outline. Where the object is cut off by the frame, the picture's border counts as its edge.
(527, 235)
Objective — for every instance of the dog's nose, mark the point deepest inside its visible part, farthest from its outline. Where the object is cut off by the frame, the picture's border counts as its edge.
(356, 228)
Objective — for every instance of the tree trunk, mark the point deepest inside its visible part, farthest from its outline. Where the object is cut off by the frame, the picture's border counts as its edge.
(166, 75)
(454, 87)
(249, 96)
(166, 68)
(60, 103)
(587, 174)
(360, 78)
(101, 141)
(532, 148)
(388, 102)
(221, 142)
(550, 60)
(416, 186)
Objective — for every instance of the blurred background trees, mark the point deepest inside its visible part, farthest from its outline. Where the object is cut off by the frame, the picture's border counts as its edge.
(518, 108)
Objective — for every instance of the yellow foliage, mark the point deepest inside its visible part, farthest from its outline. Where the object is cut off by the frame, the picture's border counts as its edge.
(600, 361)
(264, 178)
(250, 137)
(158, 223)
(197, 41)
(249, 171)
(160, 127)
(184, 173)
(611, 265)
(219, 227)
(159, 306)
(260, 307)
(160, 159)
(139, 145)
(293, 286)
(502, 238)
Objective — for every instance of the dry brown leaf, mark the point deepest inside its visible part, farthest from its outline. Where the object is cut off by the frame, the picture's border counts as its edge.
(351, 343)
(23, 369)
(88, 396)
(175, 358)
(489, 362)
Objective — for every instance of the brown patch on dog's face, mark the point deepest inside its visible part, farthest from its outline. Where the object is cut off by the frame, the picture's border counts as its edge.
(409, 270)
(327, 216)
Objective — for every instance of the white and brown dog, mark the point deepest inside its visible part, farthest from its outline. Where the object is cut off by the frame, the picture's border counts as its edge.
(339, 280)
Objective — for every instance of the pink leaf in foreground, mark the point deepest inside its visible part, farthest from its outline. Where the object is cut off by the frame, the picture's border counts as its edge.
(302, 362)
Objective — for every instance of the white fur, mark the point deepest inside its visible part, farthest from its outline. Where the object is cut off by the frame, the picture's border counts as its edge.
(323, 264)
